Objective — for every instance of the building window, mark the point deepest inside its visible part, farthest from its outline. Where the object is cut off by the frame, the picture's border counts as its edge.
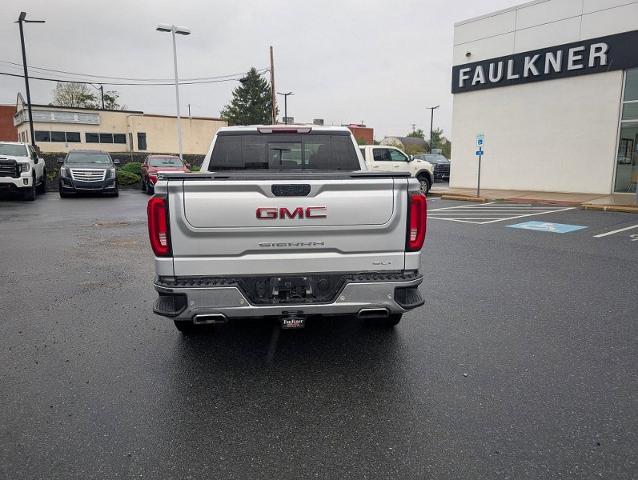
(141, 141)
(106, 138)
(73, 137)
(58, 137)
(627, 156)
(41, 136)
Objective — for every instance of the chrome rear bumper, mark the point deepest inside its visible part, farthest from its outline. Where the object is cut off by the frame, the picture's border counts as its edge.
(185, 303)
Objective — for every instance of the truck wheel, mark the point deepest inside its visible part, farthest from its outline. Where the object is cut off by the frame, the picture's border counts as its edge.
(42, 188)
(425, 182)
(29, 193)
(388, 322)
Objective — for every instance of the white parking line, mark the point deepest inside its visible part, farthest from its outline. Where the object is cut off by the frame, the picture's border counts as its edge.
(492, 212)
(614, 232)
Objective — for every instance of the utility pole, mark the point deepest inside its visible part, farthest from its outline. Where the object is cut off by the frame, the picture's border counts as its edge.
(413, 127)
(431, 124)
(285, 105)
(102, 94)
(272, 87)
(22, 19)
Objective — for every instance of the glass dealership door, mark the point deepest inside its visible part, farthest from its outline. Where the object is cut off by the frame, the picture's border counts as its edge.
(627, 156)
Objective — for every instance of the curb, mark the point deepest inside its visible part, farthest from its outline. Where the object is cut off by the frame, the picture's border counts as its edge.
(610, 208)
(464, 198)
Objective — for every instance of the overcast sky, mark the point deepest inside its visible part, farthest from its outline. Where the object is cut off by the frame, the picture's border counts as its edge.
(377, 61)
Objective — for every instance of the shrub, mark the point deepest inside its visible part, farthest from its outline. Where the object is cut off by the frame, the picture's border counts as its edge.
(194, 168)
(132, 167)
(127, 178)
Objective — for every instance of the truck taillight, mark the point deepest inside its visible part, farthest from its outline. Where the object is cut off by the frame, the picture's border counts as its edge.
(158, 230)
(417, 222)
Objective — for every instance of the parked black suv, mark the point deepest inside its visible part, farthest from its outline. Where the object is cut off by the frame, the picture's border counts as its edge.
(439, 162)
(88, 171)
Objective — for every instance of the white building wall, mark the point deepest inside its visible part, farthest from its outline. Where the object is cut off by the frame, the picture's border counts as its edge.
(554, 135)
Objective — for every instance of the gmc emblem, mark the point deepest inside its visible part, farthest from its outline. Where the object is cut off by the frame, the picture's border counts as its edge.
(282, 213)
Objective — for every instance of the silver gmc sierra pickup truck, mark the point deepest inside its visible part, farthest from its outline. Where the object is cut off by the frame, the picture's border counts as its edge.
(285, 222)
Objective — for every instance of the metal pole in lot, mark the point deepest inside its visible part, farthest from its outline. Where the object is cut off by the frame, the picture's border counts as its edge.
(285, 105)
(478, 185)
(432, 125)
(22, 19)
(272, 87)
(179, 31)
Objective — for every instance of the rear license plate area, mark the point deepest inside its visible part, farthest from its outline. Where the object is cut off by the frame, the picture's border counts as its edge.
(287, 289)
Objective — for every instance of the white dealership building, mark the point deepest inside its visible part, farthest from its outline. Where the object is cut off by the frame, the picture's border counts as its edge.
(553, 87)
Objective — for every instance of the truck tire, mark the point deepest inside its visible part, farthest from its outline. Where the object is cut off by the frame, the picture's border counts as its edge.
(389, 322)
(425, 182)
(42, 188)
(28, 193)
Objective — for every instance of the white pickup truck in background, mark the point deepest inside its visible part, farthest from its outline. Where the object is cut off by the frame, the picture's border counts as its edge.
(384, 158)
(21, 170)
(286, 222)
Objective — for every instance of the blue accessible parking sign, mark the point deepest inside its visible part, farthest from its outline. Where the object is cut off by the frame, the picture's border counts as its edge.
(548, 227)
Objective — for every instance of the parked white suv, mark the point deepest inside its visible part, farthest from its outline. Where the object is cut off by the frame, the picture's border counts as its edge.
(21, 170)
(382, 158)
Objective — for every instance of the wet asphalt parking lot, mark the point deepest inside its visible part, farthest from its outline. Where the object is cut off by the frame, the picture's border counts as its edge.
(522, 363)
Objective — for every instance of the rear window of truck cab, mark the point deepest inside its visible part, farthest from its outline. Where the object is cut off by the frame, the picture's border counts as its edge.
(284, 151)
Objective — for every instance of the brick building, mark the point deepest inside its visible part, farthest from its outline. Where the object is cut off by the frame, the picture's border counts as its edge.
(8, 132)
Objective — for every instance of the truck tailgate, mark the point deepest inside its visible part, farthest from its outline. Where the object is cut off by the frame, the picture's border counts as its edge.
(265, 225)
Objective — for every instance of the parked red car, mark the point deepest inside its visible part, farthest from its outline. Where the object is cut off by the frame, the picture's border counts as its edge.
(160, 163)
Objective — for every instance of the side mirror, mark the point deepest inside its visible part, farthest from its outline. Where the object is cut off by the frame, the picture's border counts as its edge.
(36, 160)
(116, 162)
(60, 161)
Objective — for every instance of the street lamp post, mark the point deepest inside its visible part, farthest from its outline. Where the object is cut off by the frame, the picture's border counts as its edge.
(285, 105)
(431, 124)
(23, 19)
(173, 29)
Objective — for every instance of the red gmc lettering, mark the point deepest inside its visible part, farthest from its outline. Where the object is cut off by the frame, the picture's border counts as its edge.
(283, 213)
(265, 213)
(316, 212)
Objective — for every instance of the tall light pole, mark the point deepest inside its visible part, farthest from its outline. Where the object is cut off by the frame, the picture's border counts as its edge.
(23, 19)
(431, 124)
(173, 29)
(285, 105)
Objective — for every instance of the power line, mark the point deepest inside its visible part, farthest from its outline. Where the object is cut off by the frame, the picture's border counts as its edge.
(133, 79)
(181, 82)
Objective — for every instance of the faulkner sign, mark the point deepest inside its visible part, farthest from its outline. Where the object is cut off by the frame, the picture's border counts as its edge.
(615, 52)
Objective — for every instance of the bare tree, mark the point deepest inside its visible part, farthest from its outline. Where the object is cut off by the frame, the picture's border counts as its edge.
(74, 95)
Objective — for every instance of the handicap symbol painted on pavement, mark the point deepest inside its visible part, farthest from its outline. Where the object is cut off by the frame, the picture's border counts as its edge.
(548, 227)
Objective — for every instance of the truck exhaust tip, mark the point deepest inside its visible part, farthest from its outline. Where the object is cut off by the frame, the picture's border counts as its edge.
(210, 319)
(369, 313)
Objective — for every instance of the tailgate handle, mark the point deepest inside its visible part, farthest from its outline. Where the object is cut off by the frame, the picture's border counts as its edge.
(291, 190)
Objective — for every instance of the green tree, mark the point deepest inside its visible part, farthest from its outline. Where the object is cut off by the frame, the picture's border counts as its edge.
(251, 103)
(111, 102)
(418, 133)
